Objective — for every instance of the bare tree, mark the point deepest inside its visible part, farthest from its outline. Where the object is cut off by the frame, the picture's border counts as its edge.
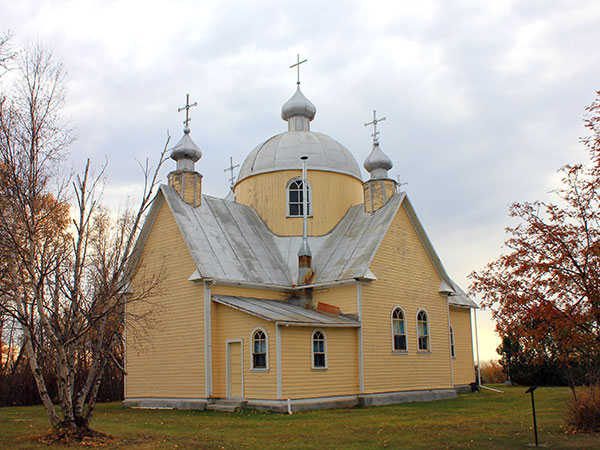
(6, 52)
(64, 275)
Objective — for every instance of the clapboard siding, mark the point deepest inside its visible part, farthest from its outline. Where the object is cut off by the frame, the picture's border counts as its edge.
(299, 380)
(343, 297)
(170, 360)
(406, 277)
(237, 291)
(333, 193)
(229, 323)
(463, 366)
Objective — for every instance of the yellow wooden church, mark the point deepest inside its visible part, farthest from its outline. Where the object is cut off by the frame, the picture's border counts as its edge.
(307, 287)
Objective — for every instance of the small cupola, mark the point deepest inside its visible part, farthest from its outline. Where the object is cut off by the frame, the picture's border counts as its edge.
(184, 179)
(298, 111)
(379, 188)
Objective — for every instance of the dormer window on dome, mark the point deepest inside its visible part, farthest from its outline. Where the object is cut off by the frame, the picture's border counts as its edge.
(269, 181)
(295, 197)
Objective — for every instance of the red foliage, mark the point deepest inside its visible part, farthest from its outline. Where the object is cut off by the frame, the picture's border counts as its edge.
(546, 289)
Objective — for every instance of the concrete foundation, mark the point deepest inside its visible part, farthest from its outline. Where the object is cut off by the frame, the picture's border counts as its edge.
(463, 389)
(305, 404)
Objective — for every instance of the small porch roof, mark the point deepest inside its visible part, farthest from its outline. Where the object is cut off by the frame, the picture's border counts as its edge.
(284, 313)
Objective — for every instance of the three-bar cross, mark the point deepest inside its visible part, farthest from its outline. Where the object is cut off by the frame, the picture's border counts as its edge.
(231, 168)
(374, 123)
(187, 107)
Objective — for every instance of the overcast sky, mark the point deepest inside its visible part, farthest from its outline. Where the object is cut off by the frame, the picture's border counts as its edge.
(484, 100)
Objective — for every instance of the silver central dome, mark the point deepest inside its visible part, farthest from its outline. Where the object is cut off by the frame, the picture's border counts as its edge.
(283, 151)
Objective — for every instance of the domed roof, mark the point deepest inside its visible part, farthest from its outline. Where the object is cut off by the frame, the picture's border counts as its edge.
(283, 152)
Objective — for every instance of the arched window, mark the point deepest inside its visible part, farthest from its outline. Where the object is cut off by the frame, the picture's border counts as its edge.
(452, 351)
(259, 349)
(398, 330)
(295, 196)
(319, 349)
(423, 331)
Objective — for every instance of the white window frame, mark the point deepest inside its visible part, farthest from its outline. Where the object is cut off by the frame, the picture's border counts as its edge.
(452, 344)
(312, 349)
(392, 329)
(259, 369)
(421, 310)
(287, 197)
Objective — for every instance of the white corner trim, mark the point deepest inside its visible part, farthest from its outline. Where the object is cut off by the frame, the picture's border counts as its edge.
(279, 375)
(477, 347)
(208, 385)
(450, 338)
(361, 372)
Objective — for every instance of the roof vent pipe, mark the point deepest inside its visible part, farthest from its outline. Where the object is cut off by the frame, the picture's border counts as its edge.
(305, 272)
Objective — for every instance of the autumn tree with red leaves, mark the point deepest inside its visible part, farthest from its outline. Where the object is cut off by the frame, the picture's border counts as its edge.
(545, 290)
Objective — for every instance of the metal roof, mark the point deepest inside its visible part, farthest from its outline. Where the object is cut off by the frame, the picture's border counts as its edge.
(460, 298)
(284, 313)
(229, 242)
(283, 152)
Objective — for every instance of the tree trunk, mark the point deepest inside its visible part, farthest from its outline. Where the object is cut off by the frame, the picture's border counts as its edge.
(39, 380)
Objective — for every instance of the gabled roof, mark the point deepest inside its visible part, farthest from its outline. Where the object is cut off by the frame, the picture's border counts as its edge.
(229, 241)
(284, 313)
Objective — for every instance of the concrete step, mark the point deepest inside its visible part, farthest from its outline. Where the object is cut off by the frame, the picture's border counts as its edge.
(227, 405)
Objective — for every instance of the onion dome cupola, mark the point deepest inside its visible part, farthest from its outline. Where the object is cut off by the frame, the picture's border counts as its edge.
(271, 173)
(298, 111)
(186, 152)
(378, 163)
(184, 179)
(379, 188)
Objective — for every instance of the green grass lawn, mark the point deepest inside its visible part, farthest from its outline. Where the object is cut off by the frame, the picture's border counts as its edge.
(480, 420)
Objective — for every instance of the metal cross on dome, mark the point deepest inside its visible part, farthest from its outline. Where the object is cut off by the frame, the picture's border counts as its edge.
(297, 65)
(374, 123)
(187, 107)
(231, 168)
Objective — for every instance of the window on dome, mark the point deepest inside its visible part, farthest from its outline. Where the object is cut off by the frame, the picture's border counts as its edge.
(295, 197)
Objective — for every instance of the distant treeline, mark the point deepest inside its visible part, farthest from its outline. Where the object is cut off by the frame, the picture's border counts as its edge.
(17, 385)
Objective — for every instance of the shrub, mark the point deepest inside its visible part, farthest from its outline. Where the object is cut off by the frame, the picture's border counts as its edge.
(492, 372)
(583, 413)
